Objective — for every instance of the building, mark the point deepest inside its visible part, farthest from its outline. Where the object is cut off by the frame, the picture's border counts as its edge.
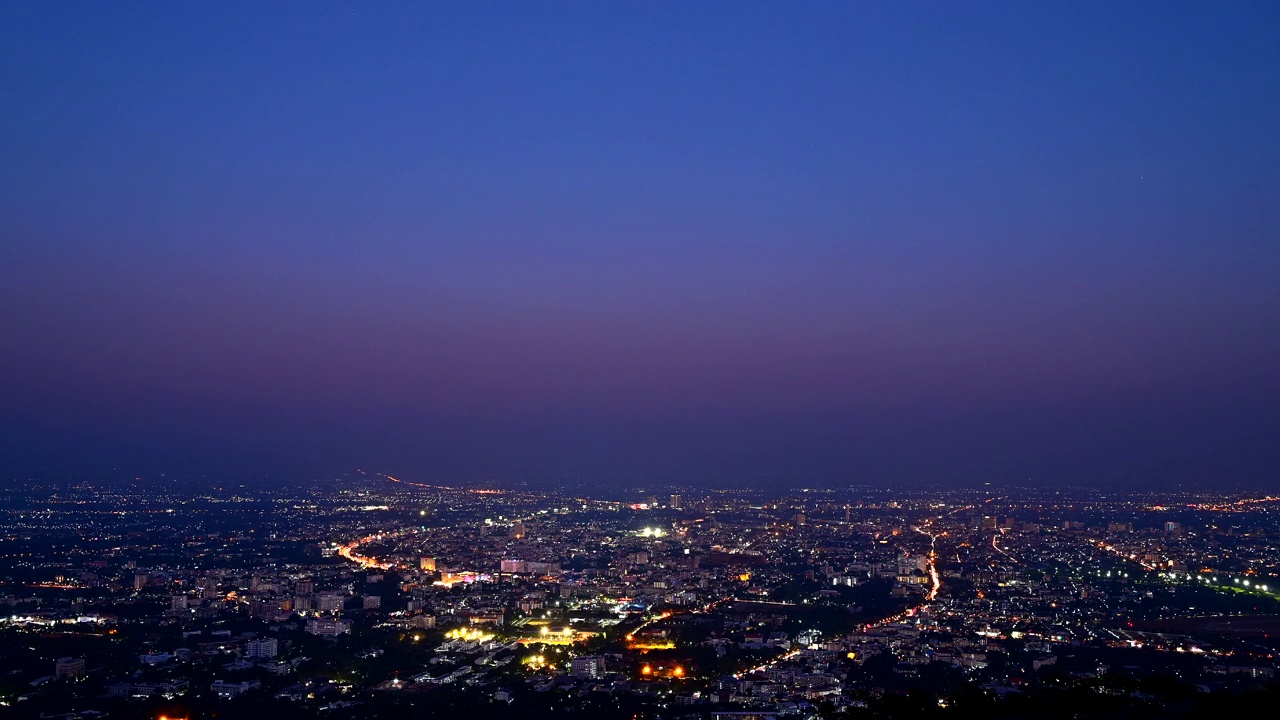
(527, 566)
(518, 530)
(262, 648)
(677, 502)
(587, 666)
(909, 564)
(207, 587)
(224, 689)
(178, 602)
(140, 581)
(427, 563)
(68, 667)
(330, 603)
(328, 627)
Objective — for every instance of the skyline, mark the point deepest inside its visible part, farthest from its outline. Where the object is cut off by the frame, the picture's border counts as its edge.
(727, 243)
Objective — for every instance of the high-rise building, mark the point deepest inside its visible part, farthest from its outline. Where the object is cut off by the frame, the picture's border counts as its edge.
(207, 587)
(677, 502)
(518, 530)
(262, 648)
(587, 666)
(427, 563)
(140, 581)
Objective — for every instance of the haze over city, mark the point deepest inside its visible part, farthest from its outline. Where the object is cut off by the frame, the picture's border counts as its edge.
(716, 244)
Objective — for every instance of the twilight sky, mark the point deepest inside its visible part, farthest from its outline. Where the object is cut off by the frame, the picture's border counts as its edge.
(735, 242)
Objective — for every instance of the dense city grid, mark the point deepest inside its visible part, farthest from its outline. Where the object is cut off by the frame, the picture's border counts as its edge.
(374, 596)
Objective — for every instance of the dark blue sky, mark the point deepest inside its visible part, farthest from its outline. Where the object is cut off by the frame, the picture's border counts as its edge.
(705, 242)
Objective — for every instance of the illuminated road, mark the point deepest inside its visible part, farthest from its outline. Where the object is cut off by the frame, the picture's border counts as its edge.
(766, 666)
(1120, 554)
(1237, 584)
(929, 597)
(934, 578)
(933, 565)
(348, 551)
(933, 575)
(656, 618)
(1237, 506)
(1000, 549)
(475, 491)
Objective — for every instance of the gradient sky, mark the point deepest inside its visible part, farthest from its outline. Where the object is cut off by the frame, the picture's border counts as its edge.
(851, 242)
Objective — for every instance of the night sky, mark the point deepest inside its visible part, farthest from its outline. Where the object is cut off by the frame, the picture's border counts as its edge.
(881, 243)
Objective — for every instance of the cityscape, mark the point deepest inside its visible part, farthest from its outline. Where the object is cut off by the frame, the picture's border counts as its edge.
(371, 595)
(583, 360)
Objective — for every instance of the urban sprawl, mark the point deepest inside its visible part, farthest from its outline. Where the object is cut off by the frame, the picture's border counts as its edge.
(372, 595)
